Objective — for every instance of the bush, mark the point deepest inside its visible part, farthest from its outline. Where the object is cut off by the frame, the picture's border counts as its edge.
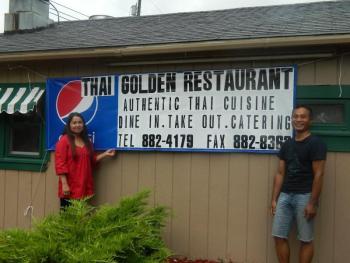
(129, 232)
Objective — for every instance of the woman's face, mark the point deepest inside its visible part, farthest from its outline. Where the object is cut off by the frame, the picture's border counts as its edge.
(76, 125)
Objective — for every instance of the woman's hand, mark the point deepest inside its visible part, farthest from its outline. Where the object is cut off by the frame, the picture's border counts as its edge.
(108, 153)
(65, 186)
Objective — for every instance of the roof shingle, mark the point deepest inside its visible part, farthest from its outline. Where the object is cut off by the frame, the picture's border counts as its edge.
(321, 18)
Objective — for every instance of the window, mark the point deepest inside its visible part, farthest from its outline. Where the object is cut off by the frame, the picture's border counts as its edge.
(328, 113)
(331, 113)
(22, 134)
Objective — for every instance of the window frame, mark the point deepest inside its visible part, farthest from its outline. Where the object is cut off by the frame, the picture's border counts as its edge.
(10, 161)
(8, 135)
(337, 136)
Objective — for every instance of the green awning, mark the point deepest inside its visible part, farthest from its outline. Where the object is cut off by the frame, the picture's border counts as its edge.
(19, 99)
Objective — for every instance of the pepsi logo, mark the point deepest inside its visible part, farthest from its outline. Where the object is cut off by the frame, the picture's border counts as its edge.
(70, 99)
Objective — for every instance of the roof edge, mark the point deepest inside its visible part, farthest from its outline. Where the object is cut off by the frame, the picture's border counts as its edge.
(153, 49)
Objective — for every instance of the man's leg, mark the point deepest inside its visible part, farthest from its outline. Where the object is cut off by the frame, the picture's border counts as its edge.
(305, 229)
(282, 249)
(306, 252)
(281, 225)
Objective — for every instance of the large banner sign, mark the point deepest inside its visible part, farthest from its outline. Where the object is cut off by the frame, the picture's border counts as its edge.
(209, 110)
(94, 97)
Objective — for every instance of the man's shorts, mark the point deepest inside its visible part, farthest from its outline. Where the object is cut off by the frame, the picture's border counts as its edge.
(290, 208)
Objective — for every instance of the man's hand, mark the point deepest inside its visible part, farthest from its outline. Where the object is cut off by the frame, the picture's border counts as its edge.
(273, 207)
(310, 211)
(277, 185)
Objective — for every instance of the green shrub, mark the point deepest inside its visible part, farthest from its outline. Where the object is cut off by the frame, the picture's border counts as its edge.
(128, 232)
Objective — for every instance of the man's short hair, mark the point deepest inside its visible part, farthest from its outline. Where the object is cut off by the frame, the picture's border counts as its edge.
(307, 107)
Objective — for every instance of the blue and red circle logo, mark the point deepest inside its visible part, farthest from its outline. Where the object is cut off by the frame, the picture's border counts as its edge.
(70, 100)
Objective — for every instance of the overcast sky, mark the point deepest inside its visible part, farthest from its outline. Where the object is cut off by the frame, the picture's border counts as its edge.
(119, 8)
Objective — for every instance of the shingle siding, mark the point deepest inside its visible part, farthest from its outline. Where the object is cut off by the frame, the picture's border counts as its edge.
(322, 18)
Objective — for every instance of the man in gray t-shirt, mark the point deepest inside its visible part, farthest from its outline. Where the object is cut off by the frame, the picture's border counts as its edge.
(297, 187)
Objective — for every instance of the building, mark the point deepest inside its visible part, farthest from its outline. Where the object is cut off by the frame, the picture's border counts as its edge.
(220, 200)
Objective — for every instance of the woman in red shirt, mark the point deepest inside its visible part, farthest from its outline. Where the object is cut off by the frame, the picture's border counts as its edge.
(75, 160)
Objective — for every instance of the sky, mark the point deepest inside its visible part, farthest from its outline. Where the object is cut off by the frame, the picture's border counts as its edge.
(118, 8)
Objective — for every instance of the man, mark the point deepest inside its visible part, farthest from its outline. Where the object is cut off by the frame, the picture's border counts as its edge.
(297, 187)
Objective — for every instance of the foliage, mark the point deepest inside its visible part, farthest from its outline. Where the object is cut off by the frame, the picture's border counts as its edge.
(128, 233)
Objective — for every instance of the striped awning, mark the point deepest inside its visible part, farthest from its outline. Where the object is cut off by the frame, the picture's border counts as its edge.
(19, 99)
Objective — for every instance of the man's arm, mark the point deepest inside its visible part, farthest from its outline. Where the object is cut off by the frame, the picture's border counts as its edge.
(318, 171)
(277, 185)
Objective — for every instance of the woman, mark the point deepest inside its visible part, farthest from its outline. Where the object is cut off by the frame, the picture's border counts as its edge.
(75, 160)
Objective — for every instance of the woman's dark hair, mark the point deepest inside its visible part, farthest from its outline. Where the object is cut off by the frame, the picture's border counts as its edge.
(84, 133)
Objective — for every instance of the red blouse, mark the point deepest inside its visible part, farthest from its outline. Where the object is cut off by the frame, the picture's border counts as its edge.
(78, 170)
